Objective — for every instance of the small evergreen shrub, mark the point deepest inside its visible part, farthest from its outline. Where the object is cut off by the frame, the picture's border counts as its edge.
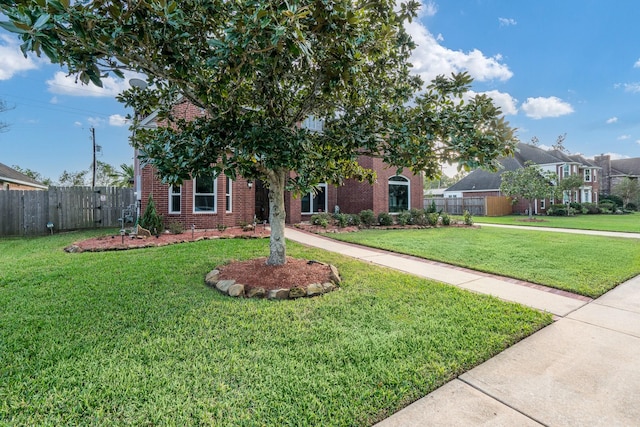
(432, 218)
(557, 210)
(418, 217)
(403, 218)
(607, 206)
(321, 219)
(368, 218)
(575, 205)
(631, 207)
(468, 219)
(150, 219)
(341, 220)
(385, 219)
(446, 220)
(432, 207)
(590, 208)
(354, 220)
(612, 198)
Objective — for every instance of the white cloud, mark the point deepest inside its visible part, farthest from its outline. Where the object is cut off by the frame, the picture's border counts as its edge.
(628, 87)
(429, 9)
(539, 108)
(77, 124)
(505, 101)
(53, 100)
(612, 120)
(637, 64)
(431, 59)
(118, 120)
(506, 22)
(12, 61)
(624, 137)
(95, 121)
(63, 84)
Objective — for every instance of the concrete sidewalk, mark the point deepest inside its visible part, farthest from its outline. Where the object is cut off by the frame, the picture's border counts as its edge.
(582, 370)
(554, 301)
(566, 230)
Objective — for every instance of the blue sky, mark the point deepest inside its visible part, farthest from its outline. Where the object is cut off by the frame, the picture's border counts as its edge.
(555, 67)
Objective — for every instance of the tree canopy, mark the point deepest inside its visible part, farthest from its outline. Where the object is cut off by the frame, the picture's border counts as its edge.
(529, 183)
(257, 69)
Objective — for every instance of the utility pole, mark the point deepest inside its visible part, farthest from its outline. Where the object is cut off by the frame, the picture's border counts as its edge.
(93, 139)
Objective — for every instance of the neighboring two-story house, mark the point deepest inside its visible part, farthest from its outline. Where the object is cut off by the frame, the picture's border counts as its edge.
(484, 183)
(11, 179)
(208, 202)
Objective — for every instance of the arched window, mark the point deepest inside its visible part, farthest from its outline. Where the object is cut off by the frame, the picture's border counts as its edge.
(399, 199)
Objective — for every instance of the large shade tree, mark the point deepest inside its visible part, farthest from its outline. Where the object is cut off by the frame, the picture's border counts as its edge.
(257, 69)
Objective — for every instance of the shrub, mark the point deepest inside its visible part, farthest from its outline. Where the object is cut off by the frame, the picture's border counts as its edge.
(590, 208)
(557, 210)
(616, 200)
(368, 218)
(432, 218)
(432, 207)
(150, 219)
(342, 220)
(418, 217)
(354, 220)
(321, 219)
(575, 205)
(468, 219)
(222, 227)
(631, 207)
(445, 218)
(385, 219)
(176, 227)
(403, 218)
(607, 206)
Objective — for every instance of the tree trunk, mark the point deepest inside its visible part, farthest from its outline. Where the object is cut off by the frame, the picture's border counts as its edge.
(277, 217)
(530, 209)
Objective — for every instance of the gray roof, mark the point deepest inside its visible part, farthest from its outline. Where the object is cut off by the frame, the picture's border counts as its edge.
(8, 174)
(626, 167)
(482, 180)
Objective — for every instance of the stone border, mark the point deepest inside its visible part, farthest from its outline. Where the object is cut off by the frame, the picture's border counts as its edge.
(77, 248)
(233, 289)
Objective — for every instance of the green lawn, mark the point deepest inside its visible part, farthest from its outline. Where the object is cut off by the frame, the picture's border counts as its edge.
(585, 265)
(136, 338)
(627, 222)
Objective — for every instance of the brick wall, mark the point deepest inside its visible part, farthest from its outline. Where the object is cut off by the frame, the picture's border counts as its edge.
(242, 207)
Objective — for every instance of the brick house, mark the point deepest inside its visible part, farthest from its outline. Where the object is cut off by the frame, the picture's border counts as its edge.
(11, 179)
(207, 202)
(484, 183)
(615, 170)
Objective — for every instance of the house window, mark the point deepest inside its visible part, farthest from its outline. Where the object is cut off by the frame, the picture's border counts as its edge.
(565, 170)
(313, 124)
(595, 175)
(566, 196)
(317, 202)
(204, 195)
(542, 204)
(228, 199)
(587, 175)
(398, 194)
(586, 196)
(175, 199)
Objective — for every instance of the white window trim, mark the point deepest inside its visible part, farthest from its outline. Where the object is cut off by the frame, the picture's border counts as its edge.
(587, 175)
(312, 197)
(407, 183)
(171, 194)
(215, 198)
(229, 195)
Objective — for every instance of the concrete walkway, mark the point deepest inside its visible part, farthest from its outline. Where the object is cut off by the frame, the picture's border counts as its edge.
(582, 370)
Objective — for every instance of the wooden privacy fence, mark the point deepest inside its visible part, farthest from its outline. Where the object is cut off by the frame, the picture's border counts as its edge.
(483, 206)
(27, 213)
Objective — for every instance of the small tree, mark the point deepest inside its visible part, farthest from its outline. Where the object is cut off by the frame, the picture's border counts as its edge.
(33, 175)
(529, 183)
(571, 184)
(628, 190)
(150, 219)
(4, 107)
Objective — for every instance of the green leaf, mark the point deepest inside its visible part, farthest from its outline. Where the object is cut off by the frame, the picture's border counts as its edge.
(10, 26)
